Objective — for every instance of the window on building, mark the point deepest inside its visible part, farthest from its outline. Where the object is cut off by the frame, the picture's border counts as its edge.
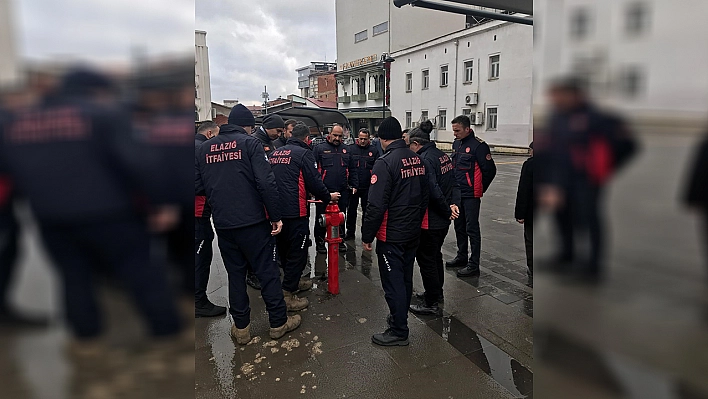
(637, 18)
(361, 36)
(467, 112)
(362, 85)
(492, 118)
(631, 82)
(494, 67)
(468, 71)
(579, 23)
(409, 82)
(443, 75)
(423, 116)
(442, 119)
(380, 28)
(382, 83)
(426, 79)
(409, 119)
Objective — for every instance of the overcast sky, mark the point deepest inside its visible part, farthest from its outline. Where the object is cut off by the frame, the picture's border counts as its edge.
(102, 30)
(253, 43)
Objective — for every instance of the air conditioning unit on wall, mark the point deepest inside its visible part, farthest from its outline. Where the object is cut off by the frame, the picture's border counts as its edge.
(478, 118)
(471, 98)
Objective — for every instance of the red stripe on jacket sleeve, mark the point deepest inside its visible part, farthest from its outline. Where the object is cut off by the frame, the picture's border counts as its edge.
(478, 189)
(5, 190)
(302, 195)
(424, 225)
(199, 202)
(381, 234)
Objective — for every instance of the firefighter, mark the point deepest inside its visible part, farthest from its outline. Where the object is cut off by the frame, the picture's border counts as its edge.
(296, 175)
(204, 235)
(443, 207)
(334, 163)
(363, 155)
(87, 220)
(474, 172)
(580, 150)
(398, 200)
(232, 170)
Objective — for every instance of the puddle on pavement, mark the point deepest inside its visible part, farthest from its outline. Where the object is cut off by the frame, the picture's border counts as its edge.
(612, 373)
(504, 369)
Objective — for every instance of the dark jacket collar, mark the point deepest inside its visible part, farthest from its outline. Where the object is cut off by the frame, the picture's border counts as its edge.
(231, 129)
(396, 144)
(426, 147)
(200, 138)
(261, 135)
(468, 138)
(297, 142)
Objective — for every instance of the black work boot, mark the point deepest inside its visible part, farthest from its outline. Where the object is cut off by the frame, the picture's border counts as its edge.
(320, 246)
(457, 262)
(252, 281)
(424, 309)
(468, 271)
(208, 309)
(387, 338)
(421, 296)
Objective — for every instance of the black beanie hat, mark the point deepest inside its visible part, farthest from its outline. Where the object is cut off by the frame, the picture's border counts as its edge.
(273, 121)
(241, 116)
(390, 129)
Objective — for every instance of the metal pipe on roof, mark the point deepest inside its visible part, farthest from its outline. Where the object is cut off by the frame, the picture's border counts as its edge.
(465, 11)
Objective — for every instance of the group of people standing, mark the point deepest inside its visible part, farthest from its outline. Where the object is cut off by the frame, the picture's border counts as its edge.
(257, 182)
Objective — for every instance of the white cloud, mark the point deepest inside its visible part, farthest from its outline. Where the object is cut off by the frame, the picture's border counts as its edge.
(256, 43)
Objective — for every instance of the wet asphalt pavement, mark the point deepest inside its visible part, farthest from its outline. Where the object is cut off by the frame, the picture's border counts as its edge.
(480, 347)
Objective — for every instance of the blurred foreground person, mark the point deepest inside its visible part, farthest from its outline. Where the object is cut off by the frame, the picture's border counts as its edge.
(398, 199)
(523, 212)
(9, 242)
(296, 175)
(443, 207)
(203, 237)
(232, 170)
(697, 190)
(71, 157)
(165, 136)
(578, 152)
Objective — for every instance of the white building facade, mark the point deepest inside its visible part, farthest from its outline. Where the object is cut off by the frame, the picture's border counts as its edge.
(202, 83)
(644, 57)
(8, 62)
(484, 72)
(366, 29)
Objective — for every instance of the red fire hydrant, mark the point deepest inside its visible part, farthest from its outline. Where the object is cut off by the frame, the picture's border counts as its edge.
(331, 220)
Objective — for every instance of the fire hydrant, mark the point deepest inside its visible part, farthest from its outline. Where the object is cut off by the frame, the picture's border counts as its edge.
(331, 220)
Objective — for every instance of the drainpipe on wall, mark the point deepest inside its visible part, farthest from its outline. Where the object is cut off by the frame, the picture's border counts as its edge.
(457, 48)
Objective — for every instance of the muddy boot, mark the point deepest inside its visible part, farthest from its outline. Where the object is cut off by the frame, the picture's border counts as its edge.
(304, 285)
(292, 323)
(293, 302)
(242, 335)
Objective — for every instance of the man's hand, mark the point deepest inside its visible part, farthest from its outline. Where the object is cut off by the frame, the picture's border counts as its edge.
(551, 197)
(353, 190)
(520, 221)
(164, 218)
(367, 246)
(455, 212)
(335, 196)
(277, 228)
